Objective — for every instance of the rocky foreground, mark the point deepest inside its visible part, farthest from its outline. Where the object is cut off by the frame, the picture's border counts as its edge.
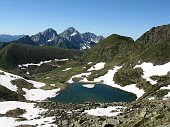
(146, 113)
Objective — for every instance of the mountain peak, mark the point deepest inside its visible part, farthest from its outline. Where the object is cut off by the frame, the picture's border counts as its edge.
(42, 37)
(49, 31)
(71, 29)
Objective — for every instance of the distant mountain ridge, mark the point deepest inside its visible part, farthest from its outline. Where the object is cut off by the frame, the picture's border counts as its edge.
(7, 38)
(68, 39)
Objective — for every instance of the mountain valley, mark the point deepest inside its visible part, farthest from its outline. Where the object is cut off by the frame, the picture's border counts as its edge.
(36, 68)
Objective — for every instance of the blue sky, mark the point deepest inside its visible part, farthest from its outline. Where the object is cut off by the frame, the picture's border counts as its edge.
(103, 17)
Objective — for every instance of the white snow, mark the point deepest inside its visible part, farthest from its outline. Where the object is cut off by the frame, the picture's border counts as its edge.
(166, 88)
(73, 34)
(150, 70)
(94, 40)
(83, 47)
(97, 66)
(32, 115)
(83, 76)
(5, 80)
(50, 40)
(61, 59)
(67, 69)
(109, 111)
(39, 94)
(37, 64)
(151, 98)
(52, 84)
(89, 85)
(108, 78)
(36, 84)
(90, 63)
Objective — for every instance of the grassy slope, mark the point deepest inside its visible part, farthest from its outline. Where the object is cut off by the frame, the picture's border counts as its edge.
(113, 48)
(15, 54)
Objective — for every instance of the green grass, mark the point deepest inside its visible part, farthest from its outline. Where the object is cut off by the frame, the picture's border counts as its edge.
(114, 47)
(15, 54)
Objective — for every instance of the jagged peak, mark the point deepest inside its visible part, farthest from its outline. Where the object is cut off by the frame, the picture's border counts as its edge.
(49, 30)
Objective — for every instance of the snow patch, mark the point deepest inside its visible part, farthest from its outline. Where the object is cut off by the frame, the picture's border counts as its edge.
(109, 111)
(61, 59)
(89, 63)
(50, 40)
(98, 66)
(67, 69)
(89, 85)
(151, 98)
(5, 80)
(83, 76)
(150, 70)
(39, 94)
(33, 64)
(32, 115)
(73, 34)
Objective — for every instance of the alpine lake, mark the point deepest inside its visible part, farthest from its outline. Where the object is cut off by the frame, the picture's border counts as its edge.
(77, 93)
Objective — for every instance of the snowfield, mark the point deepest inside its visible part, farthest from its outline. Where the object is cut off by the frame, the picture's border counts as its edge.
(32, 115)
(37, 94)
(150, 70)
(109, 111)
(5, 79)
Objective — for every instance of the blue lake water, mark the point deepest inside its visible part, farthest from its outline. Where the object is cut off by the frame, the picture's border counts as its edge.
(76, 93)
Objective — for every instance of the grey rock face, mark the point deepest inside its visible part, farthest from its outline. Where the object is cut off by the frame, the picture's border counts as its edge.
(45, 36)
(69, 39)
(90, 37)
(83, 41)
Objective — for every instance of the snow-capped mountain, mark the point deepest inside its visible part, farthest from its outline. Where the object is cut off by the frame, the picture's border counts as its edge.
(83, 41)
(68, 39)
